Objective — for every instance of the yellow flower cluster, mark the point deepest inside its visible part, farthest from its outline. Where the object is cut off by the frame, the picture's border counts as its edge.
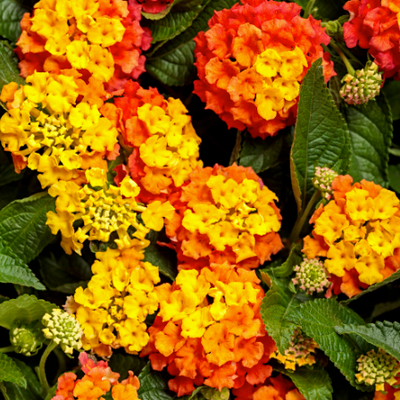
(119, 297)
(281, 87)
(102, 212)
(233, 216)
(46, 131)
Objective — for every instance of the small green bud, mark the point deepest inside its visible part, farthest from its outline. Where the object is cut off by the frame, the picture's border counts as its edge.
(27, 340)
(322, 181)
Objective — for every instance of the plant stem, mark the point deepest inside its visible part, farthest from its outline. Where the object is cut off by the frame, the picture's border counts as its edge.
(42, 370)
(346, 61)
(309, 8)
(300, 222)
(7, 349)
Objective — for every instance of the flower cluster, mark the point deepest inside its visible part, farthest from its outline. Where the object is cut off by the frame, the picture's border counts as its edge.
(358, 234)
(374, 25)
(225, 213)
(26, 339)
(119, 297)
(160, 136)
(99, 39)
(377, 368)
(300, 352)
(45, 131)
(322, 181)
(63, 329)
(252, 61)
(109, 211)
(154, 6)
(390, 392)
(209, 329)
(98, 380)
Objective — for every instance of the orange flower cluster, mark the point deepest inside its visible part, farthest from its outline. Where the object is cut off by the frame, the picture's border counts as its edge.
(358, 235)
(252, 60)
(98, 380)
(224, 214)
(161, 140)
(99, 38)
(391, 392)
(209, 330)
(374, 25)
(278, 388)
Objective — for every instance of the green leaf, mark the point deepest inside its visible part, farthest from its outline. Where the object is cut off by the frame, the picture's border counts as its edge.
(276, 308)
(160, 256)
(392, 93)
(262, 154)
(173, 23)
(313, 384)
(11, 13)
(318, 320)
(153, 385)
(8, 175)
(122, 363)
(394, 177)
(9, 71)
(33, 390)
(9, 371)
(326, 9)
(23, 225)
(24, 309)
(371, 132)
(173, 63)
(13, 270)
(384, 335)
(321, 135)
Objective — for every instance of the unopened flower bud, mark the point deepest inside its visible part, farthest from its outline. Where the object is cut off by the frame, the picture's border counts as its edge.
(63, 329)
(362, 87)
(27, 340)
(377, 368)
(322, 181)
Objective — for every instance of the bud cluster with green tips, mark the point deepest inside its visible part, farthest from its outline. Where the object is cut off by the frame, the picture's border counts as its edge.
(322, 181)
(363, 86)
(312, 276)
(63, 329)
(377, 368)
(27, 340)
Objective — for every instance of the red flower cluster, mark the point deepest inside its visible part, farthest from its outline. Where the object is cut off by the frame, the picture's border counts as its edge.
(374, 25)
(252, 60)
(154, 6)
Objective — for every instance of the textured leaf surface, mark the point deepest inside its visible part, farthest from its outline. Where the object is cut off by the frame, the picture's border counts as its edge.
(11, 12)
(384, 335)
(318, 320)
(13, 270)
(321, 135)
(371, 131)
(23, 225)
(153, 385)
(25, 308)
(173, 63)
(9, 371)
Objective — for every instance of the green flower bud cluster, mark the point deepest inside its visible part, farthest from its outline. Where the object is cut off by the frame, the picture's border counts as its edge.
(63, 329)
(322, 181)
(377, 368)
(27, 340)
(363, 86)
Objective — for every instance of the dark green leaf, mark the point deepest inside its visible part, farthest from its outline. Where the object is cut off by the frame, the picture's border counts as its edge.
(24, 309)
(384, 335)
(8, 175)
(33, 390)
(371, 131)
(23, 225)
(394, 177)
(160, 256)
(173, 63)
(11, 12)
(122, 363)
(153, 385)
(326, 9)
(9, 371)
(318, 320)
(13, 270)
(8, 65)
(392, 92)
(64, 273)
(321, 135)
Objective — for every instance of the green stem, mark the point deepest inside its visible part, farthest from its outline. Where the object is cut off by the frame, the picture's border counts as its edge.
(7, 349)
(294, 236)
(346, 61)
(349, 54)
(42, 370)
(309, 8)
(61, 361)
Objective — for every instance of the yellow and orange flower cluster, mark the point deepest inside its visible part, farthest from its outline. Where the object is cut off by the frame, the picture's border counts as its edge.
(96, 38)
(252, 61)
(98, 380)
(358, 235)
(118, 298)
(47, 132)
(225, 214)
(209, 329)
(160, 136)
